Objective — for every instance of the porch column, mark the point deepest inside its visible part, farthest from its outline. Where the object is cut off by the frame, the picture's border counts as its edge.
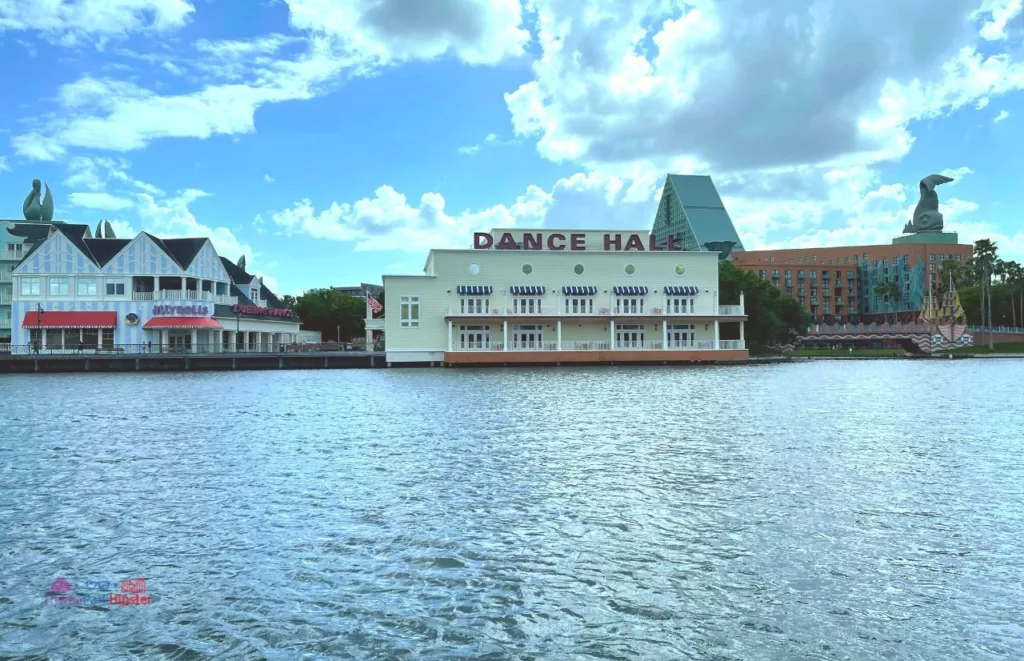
(558, 334)
(449, 335)
(742, 340)
(232, 341)
(195, 340)
(504, 336)
(611, 334)
(716, 333)
(664, 335)
(369, 339)
(743, 310)
(183, 282)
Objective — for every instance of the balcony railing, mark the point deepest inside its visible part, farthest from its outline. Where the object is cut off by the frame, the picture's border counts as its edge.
(577, 345)
(5, 276)
(556, 311)
(5, 322)
(10, 256)
(179, 295)
(5, 299)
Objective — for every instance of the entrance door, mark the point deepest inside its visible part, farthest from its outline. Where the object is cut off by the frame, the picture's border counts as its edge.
(180, 341)
(680, 337)
(528, 339)
(632, 338)
(474, 340)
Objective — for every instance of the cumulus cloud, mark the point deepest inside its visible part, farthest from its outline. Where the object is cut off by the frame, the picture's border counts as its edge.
(1003, 114)
(390, 31)
(3, 164)
(745, 85)
(171, 217)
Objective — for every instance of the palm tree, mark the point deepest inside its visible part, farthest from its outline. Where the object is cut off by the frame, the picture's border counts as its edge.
(888, 290)
(984, 259)
(950, 270)
(1015, 278)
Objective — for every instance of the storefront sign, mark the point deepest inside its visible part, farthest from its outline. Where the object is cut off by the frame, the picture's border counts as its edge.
(263, 312)
(575, 242)
(189, 310)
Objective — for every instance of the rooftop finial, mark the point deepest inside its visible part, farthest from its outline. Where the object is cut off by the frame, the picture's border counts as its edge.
(38, 208)
(241, 262)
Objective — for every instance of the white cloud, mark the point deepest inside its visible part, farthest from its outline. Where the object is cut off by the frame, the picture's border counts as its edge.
(267, 178)
(471, 150)
(101, 201)
(388, 222)
(1000, 13)
(391, 31)
(1003, 114)
(36, 146)
(621, 83)
(171, 218)
(69, 22)
(3, 164)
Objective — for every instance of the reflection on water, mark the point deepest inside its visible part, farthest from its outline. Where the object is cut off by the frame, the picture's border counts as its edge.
(807, 511)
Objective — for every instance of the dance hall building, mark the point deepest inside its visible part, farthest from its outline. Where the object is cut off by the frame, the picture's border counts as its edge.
(562, 296)
(75, 292)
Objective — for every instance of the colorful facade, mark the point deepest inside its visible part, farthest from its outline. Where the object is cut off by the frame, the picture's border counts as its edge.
(72, 292)
(837, 285)
(550, 296)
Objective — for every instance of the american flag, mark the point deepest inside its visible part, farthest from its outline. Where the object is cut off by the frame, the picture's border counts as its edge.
(374, 305)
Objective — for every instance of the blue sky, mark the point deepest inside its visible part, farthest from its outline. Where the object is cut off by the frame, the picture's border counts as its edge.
(332, 141)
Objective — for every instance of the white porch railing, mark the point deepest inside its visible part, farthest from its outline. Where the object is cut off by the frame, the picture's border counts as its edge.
(5, 322)
(5, 276)
(5, 299)
(10, 256)
(730, 310)
(576, 345)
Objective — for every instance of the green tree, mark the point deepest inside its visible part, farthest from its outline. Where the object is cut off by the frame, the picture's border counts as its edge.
(890, 291)
(289, 301)
(950, 270)
(332, 313)
(1015, 281)
(984, 259)
(772, 317)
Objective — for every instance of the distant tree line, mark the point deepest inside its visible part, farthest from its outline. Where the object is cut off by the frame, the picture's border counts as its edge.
(773, 317)
(991, 289)
(338, 316)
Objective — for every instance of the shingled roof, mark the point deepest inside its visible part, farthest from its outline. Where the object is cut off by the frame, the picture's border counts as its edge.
(104, 250)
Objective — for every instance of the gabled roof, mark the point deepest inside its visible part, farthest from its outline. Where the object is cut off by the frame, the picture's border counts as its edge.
(239, 275)
(184, 251)
(704, 209)
(104, 250)
(236, 273)
(74, 233)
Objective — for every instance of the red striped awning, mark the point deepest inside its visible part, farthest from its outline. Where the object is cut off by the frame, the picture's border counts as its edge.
(183, 323)
(69, 319)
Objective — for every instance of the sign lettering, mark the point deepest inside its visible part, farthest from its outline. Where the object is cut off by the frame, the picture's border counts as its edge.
(263, 312)
(557, 241)
(181, 311)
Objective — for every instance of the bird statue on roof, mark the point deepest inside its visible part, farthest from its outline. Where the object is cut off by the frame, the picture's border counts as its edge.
(926, 215)
(241, 262)
(37, 207)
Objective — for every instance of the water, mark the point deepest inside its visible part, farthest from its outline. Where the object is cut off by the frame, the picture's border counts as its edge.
(831, 510)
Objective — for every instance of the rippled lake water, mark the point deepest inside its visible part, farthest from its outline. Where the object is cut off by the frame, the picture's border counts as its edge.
(826, 510)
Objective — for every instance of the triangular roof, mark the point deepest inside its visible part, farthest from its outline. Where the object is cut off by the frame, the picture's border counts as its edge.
(184, 251)
(104, 250)
(237, 274)
(240, 276)
(73, 234)
(703, 208)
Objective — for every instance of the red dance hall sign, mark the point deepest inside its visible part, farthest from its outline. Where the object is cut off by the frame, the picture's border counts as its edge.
(575, 242)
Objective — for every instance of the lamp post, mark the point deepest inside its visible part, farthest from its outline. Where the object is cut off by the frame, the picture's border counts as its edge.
(238, 328)
(39, 324)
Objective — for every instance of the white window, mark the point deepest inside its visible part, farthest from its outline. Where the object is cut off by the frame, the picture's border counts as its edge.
(523, 305)
(681, 336)
(87, 287)
(31, 286)
(410, 307)
(60, 286)
(115, 287)
(629, 336)
(469, 305)
(629, 305)
(679, 305)
(255, 295)
(579, 305)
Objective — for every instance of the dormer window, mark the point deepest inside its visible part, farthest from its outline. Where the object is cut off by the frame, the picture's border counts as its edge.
(255, 295)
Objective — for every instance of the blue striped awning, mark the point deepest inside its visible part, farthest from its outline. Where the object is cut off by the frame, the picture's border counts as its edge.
(526, 290)
(630, 291)
(474, 290)
(579, 291)
(682, 290)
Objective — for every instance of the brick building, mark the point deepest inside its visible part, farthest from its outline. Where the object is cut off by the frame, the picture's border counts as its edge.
(837, 285)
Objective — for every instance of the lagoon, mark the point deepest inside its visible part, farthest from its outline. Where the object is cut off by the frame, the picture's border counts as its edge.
(822, 510)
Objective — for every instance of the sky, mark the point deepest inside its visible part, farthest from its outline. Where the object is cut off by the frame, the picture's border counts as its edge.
(333, 141)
